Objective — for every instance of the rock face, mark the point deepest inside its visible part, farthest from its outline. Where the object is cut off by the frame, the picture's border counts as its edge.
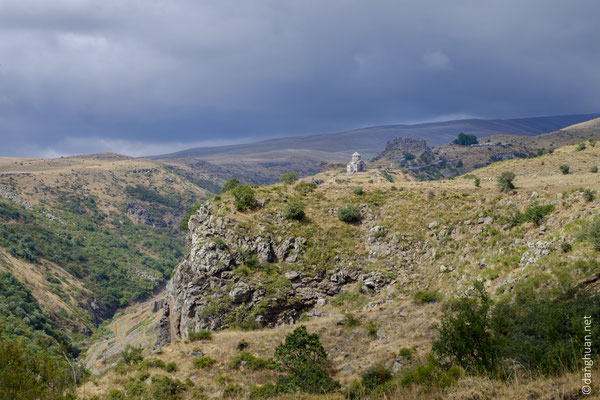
(398, 147)
(207, 292)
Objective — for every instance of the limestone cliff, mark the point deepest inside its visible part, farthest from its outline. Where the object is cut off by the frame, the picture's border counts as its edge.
(213, 289)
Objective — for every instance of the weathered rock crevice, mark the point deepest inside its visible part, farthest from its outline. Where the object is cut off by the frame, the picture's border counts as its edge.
(209, 290)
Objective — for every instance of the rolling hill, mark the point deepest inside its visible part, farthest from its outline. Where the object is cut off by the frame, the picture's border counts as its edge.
(262, 162)
(372, 289)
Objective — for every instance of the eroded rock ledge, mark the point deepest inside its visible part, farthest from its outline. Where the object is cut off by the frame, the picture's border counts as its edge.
(209, 289)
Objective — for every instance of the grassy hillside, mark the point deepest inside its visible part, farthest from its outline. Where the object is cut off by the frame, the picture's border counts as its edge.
(425, 244)
(87, 235)
(452, 159)
(262, 162)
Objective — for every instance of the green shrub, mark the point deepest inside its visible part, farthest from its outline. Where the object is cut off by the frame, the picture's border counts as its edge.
(464, 139)
(350, 320)
(580, 147)
(288, 177)
(204, 362)
(591, 233)
(535, 212)
(426, 296)
(539, 331)
(171, 367)
(349, 214)
(387, 176)
(477, 182)
(505, 181)
(32, 372)
(155, 363)
(430, 374)
(230, 184)
(294, 210)
(371, 328)
(265, 391)
(358, 191)
(542, 331)
(303, 359)
(566, 247)
(459, 164)
(220, 243)
(430, 195)
(466, 337)
(405, 352)
(202, 334)
(132, 355)
(248, 360)
(115, 394)
(594, 169)
(232, 390)
(165, 388)
(588, 195)
(243, 197)
(564, 169)
(374, 376)
(305, 187)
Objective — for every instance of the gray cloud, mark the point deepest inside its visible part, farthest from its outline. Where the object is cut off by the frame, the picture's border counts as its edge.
(173, 73)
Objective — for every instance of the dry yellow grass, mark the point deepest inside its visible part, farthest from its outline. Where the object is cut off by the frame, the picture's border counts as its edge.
(401, 321)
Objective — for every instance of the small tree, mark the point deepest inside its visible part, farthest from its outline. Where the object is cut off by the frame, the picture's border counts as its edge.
(409, 156)
(588, 195)
(477, 182)
(505, 181)
(592, 234)
(288, 177)
(349, 214)
(294, 209)
(131, 354)
(303, 358)
(594, 169)
(535, 212)
(564, 169)
(459, 164)
(465, 139)
(230, 184)
(466, 334)
(244, 197)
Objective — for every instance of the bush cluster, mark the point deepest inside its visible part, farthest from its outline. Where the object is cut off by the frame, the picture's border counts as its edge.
(465, 139)
(539, 331)
(533, 213)
(427, 296)
(248, 360)
(294, 210)
(303, 360)
(202, 334)
(505, 181)
(349, 214)
(288, 177)
(243, 196)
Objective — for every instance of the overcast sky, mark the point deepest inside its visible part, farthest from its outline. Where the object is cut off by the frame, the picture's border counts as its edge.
(153, 76)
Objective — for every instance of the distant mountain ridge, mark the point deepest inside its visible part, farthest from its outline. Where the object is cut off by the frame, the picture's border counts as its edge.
(371, 140)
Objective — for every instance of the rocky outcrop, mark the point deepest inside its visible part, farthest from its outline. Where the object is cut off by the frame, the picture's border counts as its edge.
(399, 147)
(210, 289)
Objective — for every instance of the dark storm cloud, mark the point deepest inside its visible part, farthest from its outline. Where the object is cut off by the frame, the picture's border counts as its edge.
(150, 76)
